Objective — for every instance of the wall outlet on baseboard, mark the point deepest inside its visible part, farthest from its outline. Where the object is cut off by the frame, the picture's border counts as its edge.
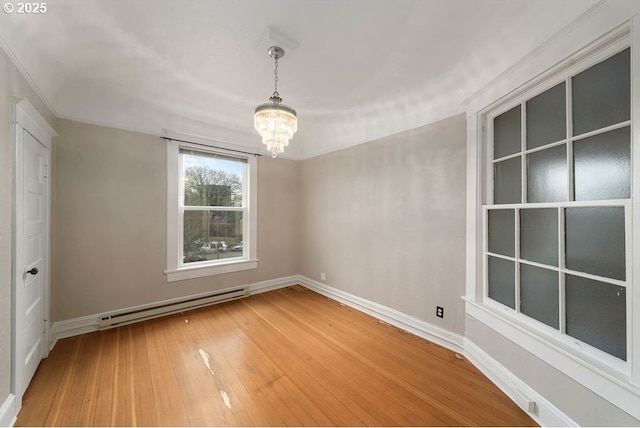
(439, 311)
(323, 276)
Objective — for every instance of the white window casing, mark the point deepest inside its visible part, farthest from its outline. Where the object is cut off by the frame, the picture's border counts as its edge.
(614, 379)
(176, 269)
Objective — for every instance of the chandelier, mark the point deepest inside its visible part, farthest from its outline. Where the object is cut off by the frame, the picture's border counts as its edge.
(275, 122)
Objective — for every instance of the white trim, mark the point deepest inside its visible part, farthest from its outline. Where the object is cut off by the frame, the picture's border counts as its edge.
(446, 338)
(633, 262)
(420, 328)
(190, 272)
(23, 71)
(90, 323)
(9, 412)
(532, 403)
(273, 284)
(601, 33)
(28, 119)
(474, 194)
(73, 327)
(617, 391)
(176, 271)
(598, 20)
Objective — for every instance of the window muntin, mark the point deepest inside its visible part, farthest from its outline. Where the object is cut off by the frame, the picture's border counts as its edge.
(557, 178)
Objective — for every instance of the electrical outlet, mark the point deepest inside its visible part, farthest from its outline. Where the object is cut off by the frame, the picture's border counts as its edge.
(439, 311)
(323, 276)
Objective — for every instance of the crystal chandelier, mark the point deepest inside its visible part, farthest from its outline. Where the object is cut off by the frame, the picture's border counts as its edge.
(275, 122)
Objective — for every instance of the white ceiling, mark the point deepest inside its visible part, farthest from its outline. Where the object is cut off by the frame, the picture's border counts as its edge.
(355, 70)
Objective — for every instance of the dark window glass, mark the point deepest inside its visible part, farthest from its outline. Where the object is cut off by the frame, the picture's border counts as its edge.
(507, 133)
(595, 241)
(602, 166)
(539, 235)
(507, 185)
(502, 232)
(596, 314)
(547, 179)
(502, 281)
(539, 294)
(601, 94)
(547, 117)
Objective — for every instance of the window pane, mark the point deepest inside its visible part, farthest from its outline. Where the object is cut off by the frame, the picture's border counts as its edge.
(212, 182)
(539, 235)
(507, 182)
(212, 235)
(539, 294)
(547, 179)
(502, 232)
(596, 314)
(507, 133)
(602, 94)
(595, 241)
(546, 117)
(502, 281)
(602, 166)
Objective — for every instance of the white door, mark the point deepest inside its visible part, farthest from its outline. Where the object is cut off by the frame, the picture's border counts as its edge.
(31, 274)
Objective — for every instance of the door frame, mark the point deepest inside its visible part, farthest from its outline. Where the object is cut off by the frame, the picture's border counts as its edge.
(27, 118)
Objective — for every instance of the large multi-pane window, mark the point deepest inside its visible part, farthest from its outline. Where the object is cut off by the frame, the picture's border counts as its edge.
(211, 221)
(558, 207)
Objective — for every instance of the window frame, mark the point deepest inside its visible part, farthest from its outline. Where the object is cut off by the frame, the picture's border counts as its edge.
(618, 383)
(607, 362)
(176, 269)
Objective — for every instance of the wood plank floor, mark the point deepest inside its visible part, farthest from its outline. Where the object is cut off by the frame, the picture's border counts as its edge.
(287, 357)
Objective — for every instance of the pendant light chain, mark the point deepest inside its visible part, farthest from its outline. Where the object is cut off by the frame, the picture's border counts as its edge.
(275, 78)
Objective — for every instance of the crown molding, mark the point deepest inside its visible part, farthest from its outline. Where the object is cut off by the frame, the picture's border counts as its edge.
(25, 74)
(606, 14)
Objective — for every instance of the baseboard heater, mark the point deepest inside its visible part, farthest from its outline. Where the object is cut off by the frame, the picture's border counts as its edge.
(117, 319)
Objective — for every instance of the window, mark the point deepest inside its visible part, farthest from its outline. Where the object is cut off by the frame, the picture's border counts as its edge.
(557, 213)
(211, 224)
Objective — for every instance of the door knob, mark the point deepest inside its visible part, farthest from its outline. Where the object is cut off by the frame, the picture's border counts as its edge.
(33, 271)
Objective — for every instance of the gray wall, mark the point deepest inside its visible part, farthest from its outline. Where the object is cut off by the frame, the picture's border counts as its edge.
(385, 221)
(110, 232)
(579, 403)
(11, 84)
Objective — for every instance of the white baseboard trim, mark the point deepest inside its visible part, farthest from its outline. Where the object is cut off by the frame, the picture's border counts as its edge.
(542, 411)
(396, 318)
(90, 323)
(273, 284)
(73, 327)
(8, 412)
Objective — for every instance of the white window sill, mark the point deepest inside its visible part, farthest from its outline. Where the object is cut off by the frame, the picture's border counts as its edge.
(612, 383)
(190, 272)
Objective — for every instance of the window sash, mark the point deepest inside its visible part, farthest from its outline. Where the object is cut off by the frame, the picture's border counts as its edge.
(558, 336)
(177, 270)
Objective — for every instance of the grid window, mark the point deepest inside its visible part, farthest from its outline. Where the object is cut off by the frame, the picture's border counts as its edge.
(560, 198)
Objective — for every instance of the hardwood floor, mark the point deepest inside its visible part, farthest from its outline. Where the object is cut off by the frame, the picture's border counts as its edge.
(287, 357)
